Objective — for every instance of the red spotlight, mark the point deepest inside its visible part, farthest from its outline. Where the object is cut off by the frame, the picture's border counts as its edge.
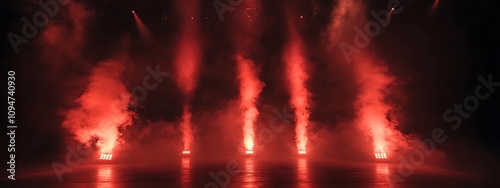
(106, 156)
(133, 12)
(249, 152)
(302, 152)
(186, 152)
(380, 155)
(435, 4)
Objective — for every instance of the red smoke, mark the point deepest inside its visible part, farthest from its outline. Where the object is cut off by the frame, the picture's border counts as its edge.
(186, 128)
(372, 76)
(102, 108)
(297, 77)
(372, 109)
(246, 32)
(186, 65)
(343, 19)
(250, 88)
(187, 62)
(375, 113)
(73, 29)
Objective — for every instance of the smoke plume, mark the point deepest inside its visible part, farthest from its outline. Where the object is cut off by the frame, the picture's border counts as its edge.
(250, 88)
(102, 109)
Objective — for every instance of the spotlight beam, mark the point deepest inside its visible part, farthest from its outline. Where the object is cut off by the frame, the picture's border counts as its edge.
(143, 30)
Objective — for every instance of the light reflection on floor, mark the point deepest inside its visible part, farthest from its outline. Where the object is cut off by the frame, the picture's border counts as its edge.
(303, 173)
(105, 177)
(382, 175)
(300, 172)
(249, 173)
(185, 169)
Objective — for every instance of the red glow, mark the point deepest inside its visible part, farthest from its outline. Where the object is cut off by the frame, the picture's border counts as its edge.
(383, 175)
(245, 34)
(186, 152)
(302, 152)
(372, 108)
(102, 108)
(303, 173)
(297, 76)
(250, 88)
(188, 59)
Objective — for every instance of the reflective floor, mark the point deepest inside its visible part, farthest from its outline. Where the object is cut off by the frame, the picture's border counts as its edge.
(246, 173)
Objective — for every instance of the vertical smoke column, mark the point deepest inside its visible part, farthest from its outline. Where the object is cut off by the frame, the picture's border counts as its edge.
(372, 109)
(371, 75)
(246, 32)
(102, 108)
(186, 62)
(250, 88)
(297, 76)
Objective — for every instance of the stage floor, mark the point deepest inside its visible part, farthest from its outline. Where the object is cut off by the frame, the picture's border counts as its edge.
(243, 172)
